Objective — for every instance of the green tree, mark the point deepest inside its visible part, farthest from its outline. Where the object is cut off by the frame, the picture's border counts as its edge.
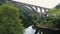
(1, 2)
(26, 16)
(58, 6)
(51, 21)
(56, 16)
(9, 20)
(4, 1)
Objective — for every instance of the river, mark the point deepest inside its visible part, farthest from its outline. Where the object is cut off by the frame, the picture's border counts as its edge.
(30, 30)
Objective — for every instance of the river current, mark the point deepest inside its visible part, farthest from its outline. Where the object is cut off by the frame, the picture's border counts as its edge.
(30, 30)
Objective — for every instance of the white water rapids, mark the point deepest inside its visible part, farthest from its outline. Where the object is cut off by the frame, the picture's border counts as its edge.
(30, 30)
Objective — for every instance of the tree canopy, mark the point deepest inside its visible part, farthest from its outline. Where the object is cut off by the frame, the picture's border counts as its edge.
(52, 21)
(56, 16)
(9, 20)
(58, 6)
(26, 15)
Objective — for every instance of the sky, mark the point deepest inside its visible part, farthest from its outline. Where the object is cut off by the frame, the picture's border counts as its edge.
(42, 3)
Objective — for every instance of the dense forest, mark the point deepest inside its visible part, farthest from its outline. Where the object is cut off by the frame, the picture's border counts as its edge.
(14, 19)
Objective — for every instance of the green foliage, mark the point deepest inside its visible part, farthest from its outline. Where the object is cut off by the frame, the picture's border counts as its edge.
(52, 20)
(9, 20)
(54, 12)
(56, 16)
(58, 6)
(46, 20)
(26, 16)
(2, 1)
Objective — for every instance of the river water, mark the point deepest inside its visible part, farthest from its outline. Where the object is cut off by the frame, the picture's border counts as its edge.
(30, 30)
